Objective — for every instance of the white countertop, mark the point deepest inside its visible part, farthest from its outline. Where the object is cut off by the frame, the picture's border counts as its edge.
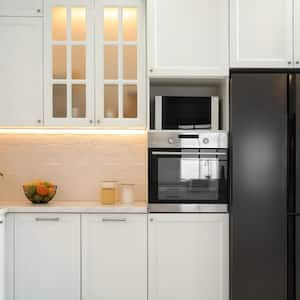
(71, 207)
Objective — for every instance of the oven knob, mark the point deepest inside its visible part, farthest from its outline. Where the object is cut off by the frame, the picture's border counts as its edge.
(205, 141)
(170, 141)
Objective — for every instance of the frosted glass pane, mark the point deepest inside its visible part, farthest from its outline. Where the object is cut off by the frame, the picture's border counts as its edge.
(59, 62)
(78, 101)
(130, 24)
(110, 62)
(130, 101)
(59, 23)
(111, 107)
(78, 62)
(111, 24)
(78, 15)
(59, 101)
(130, 62)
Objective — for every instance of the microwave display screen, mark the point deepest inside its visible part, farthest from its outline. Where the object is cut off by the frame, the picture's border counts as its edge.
(186, 112)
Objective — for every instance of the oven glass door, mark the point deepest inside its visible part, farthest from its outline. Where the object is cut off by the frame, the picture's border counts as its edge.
(188, 176)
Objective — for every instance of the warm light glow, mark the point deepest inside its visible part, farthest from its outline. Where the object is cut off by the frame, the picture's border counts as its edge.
(72, 131)
(111, 14)
(129, 13)
(78, 12)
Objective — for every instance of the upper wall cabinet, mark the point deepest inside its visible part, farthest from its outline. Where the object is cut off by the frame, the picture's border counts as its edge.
(297, 33)
(120, 62)
(188, 38)
(69, 63)
(101, 85)
(21, 8)
(262, 33)
(21, 71)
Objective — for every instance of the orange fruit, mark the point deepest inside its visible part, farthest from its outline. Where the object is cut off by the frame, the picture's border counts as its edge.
(42, 190)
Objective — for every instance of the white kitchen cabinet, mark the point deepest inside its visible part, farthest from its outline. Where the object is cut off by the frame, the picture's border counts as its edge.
(69, 96)
(114, 256)
(47, 257)
(21, 71)
(2, 260)
(297, 33)
(188, 257)
(21, 8)
(261, 33)
(188, 38)
(105, 87)
(120, 63)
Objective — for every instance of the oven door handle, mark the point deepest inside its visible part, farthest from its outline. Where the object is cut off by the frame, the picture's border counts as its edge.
(188, 153)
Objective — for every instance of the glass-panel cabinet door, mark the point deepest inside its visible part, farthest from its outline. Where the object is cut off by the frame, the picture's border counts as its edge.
(68, 62)
(120, 66)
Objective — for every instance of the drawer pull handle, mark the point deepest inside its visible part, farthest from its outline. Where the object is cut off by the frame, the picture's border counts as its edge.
(47, 219)
(114, 220)
(1, 222)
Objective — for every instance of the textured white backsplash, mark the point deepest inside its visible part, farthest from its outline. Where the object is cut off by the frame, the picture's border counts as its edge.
(76, 163)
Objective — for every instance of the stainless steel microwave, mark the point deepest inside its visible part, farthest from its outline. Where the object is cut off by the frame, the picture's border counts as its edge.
(186, 113)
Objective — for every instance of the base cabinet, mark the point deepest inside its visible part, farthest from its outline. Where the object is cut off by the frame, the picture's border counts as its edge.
(2, 249)
(188, 257)
(114, 257)
(47, 257)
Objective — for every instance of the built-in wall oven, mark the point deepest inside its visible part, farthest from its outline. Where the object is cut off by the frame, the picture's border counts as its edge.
(188, 172)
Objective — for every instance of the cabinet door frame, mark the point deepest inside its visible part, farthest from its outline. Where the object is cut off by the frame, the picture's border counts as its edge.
(157, 71)
(155, 220)
(36, 226)
(296, 27)
(237, 62)
(33, 109)
(68, 121)
(140, 121)
(14, 11)
(102, 238)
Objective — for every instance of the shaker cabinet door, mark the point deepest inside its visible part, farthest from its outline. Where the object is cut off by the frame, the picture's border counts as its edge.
(297, 33)
(47, 257)
(188, 38)
(120, 63)
(114, 257)
(188, 256)
(261, 33)
(21, 71)
(69, 95)
(21, 8)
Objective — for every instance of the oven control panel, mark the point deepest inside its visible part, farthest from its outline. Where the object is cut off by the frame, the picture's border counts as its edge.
(183, 139)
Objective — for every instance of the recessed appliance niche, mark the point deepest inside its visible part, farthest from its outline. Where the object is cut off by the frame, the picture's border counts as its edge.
(188, 105)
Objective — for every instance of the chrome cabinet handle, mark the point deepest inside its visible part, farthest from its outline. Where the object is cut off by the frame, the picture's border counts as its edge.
(39, 121)
(38, 10)
(188, 153)
(1, 222)
(91, 121)
(114, 220)
(289, 62)
(98, 121)
(47, 219)
(297, 62)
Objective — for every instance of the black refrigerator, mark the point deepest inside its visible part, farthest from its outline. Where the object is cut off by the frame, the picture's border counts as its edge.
(265, 185)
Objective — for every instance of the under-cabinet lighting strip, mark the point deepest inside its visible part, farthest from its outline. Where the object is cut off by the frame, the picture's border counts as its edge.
(72, 131)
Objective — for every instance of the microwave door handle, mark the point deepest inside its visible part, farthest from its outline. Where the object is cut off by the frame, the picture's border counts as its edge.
(188, 153)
